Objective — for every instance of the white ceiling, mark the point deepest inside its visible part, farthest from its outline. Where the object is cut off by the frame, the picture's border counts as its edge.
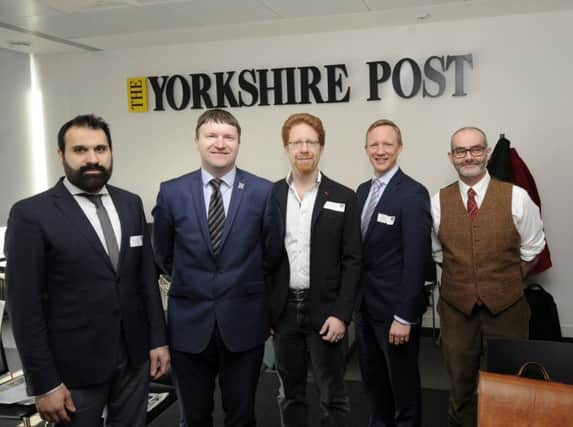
(50, 26)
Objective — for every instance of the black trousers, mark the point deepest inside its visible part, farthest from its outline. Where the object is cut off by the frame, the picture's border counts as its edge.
(296, 343)
(390, 374)
(238, 374)
(124, 396)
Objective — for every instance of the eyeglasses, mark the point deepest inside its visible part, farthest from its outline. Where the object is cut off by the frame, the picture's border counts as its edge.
(299, 144)
(475, 151)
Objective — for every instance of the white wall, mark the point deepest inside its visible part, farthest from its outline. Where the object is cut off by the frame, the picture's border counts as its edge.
(16, 176)
(520, 85)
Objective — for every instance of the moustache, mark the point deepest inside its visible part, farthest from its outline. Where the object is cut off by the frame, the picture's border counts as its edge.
(90, 168)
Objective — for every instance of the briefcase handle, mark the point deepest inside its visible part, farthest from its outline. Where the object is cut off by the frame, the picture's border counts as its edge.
(539, 366)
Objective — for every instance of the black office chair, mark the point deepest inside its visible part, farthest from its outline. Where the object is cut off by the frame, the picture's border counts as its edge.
(506, 356)
(431, 284)
(161, 396)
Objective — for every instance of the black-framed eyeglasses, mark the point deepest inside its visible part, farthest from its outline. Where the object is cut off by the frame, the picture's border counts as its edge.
(308, 142)
(475, 151)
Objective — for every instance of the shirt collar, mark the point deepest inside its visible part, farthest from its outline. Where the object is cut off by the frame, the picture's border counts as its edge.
(288, 178)
(480, 187)
(385, 179)
(77, 191)
(228, 178)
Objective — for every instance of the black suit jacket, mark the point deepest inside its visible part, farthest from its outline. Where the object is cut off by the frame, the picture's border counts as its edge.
(396, 251)
(67, 304)
(334, 254)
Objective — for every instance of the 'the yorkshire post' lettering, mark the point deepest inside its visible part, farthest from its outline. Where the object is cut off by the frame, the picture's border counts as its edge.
(137, 94)
(307, 84)
(434, 68)
(249, 87)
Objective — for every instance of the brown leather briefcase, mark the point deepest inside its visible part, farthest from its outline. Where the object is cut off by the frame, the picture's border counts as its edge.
(513, 400)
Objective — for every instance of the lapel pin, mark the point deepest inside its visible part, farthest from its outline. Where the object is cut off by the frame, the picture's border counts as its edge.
(241, 185)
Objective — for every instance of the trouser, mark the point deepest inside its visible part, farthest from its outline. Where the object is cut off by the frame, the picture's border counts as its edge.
(296, 343)
(124, 396)
(390, 374)
(463, 341)
(238, 374)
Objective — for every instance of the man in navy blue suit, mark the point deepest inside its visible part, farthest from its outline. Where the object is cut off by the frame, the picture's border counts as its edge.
(396, 250)
(214, 235)
(82, 289)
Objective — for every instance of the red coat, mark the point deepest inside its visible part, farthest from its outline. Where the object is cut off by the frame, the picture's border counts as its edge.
(506, 165)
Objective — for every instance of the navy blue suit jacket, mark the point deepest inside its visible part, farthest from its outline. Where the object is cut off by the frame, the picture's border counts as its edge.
(395, 256)
(229, 289)
(68, 306)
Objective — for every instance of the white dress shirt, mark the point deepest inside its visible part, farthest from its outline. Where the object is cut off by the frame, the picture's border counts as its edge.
(526, 218)
(89, 210)
(297, 234)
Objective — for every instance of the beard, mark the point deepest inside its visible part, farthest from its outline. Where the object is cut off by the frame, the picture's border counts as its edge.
(88, 182)
(472, 170)
(306, 166)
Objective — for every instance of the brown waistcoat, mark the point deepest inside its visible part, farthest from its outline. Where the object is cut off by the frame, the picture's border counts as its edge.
(481, 258)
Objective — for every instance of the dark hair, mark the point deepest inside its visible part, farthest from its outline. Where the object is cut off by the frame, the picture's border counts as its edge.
(306, 118)
(218, 116)
(83, 121)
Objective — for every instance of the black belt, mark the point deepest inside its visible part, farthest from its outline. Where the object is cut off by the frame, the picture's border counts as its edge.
(297, 294)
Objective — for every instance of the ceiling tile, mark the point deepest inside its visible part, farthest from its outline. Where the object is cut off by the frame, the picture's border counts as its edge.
(305, 8)
(403, 4)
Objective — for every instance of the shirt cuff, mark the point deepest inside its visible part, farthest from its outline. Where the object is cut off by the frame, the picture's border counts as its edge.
(51, 391)
(402, 321)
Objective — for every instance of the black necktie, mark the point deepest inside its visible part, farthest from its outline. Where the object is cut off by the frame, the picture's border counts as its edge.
(107, 228)
(216, 215)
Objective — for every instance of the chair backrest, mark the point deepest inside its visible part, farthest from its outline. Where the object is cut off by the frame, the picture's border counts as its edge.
(506, 356)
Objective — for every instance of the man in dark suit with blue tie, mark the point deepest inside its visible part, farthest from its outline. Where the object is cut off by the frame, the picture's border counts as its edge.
(214, 235)
(82, 290)
(396, 248)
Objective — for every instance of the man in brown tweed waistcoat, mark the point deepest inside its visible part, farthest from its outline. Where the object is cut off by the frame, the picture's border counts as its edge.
(487, 235)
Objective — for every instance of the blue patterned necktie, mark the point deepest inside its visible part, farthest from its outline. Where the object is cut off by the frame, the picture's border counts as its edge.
(377, 186)
(216, 215)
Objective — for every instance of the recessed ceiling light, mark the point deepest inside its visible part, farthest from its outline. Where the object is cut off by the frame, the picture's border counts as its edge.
(19, 43)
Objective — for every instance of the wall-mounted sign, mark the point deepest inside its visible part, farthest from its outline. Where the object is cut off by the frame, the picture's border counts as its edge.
(307, 84)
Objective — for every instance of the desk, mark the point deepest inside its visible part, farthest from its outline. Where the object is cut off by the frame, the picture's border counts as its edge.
(2, 286)
(12, 415)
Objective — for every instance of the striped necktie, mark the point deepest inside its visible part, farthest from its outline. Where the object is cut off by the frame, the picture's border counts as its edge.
(216, 215)
(369, 210)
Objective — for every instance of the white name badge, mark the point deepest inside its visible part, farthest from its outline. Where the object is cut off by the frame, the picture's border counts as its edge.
(135, 241)
(334, 206)
(386, 219)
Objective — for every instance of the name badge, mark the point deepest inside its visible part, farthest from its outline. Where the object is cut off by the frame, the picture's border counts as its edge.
(135, 241)
(386, 219)
(334, 206)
